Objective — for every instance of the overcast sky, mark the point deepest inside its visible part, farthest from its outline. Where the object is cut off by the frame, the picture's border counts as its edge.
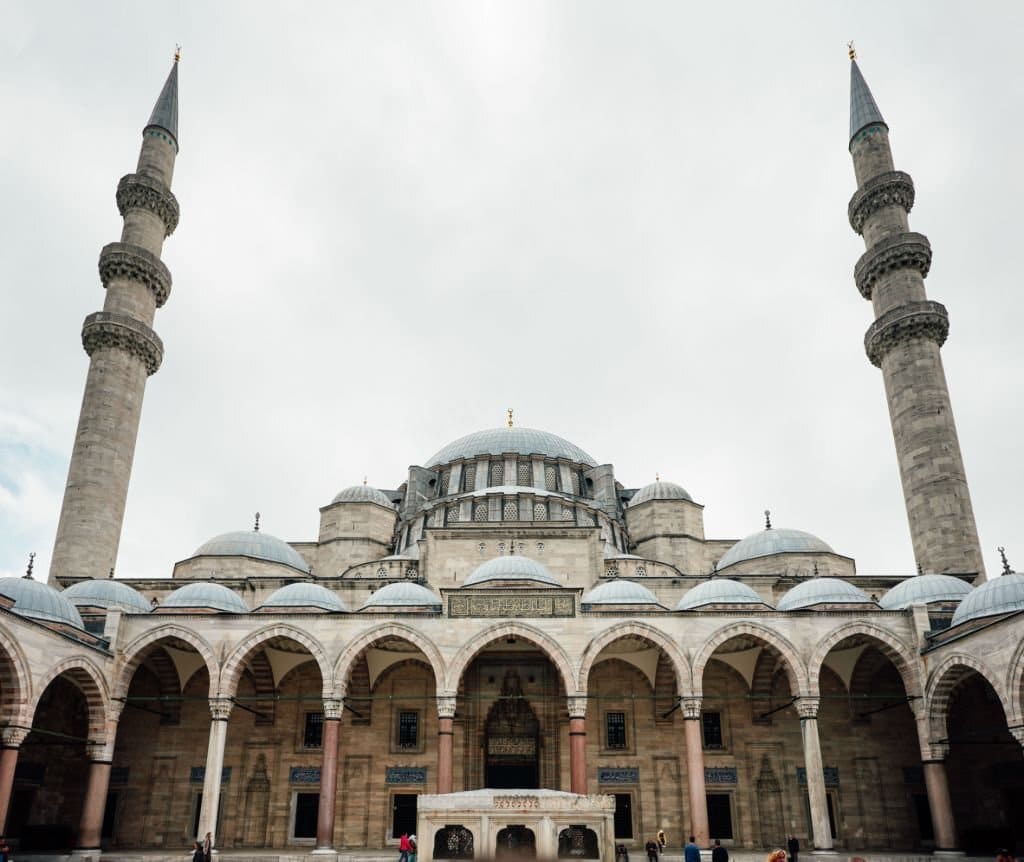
(627, 221)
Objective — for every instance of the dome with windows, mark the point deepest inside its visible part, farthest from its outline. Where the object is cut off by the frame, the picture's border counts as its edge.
(107, 593)
(660, 490)
(208, 597)
(255, 544)
(511, 568)
(363, 494)
(1001, 595)
(924, 590)
(620, 592)
(516, 441)
(824, 591)
(39, 601)
(403, 594)
(719, 591)
(773, 541)
(304, 595)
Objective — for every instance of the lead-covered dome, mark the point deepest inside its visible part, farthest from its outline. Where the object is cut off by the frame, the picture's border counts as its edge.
(206, 596)
(39, 601)
(620, 592)
(511, 568)
(719, 591)
(252, 543)
(521, 441)
(1001, 595)
(403, 594)
(924, 590)
(774, 541)
(363, 494)
(660, 490)
(823, 591)
(107, 593)
(304, 595)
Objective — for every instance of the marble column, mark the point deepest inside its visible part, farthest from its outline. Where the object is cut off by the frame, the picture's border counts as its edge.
(691, 707)
(821, 831)
(578, 744)
(11, 739)
(939, 804)
(445, 734)
(220, 711)
(101, 756)
(328, 776)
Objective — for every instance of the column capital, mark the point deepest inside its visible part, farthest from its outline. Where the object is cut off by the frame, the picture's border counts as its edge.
(100, 751)
(691, 707)
(577, 705)
(114, 709)
(13, 737)
(934, 752)
(333, 707)
(807, 707)
(446, 704)
(220, 708)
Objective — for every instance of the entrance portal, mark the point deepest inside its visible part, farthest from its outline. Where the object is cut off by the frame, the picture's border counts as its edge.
(511, 737)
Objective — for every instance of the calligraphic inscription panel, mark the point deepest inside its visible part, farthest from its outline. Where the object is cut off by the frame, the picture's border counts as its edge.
(304, 775)
(517, 746)
(405, 775)
(618, 775)
(720, 775)
(518, 604)
(831, 776)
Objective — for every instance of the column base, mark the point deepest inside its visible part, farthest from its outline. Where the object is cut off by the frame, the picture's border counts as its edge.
(86, 854)
(948, 854)
(325, 851)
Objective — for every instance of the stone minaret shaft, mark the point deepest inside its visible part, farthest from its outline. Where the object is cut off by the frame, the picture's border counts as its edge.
(904, 342)
(123, 351)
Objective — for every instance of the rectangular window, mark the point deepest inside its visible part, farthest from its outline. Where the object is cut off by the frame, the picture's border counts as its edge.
(313, 733)
(306, 810)
(408, 730)
(615, 729)
(711, 723)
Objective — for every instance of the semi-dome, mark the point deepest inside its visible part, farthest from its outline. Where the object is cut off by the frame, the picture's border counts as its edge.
(511, 568)
(620, 592)
(107, 593)
(305, 595)
(521, 441)
(823, 591)
(1001, 595)
(924, 589)
(660, 490)
(404, 594)
(252, 543)
(719, 591)
(363, 494)
(207, 596)
(773, 541)
(40, 601)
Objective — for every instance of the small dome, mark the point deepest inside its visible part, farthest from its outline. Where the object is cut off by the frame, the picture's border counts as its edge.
(924, 589)
(251, 543)
(1001, 595)
(40, 601)
(511, 568)
(620, 592)
(404, 594)
(209, 596)
(823, 591)
(363, 494)
(773, 541)
(107, 593)
(521, 441)
(660, 491)
(719, 591)
(305, 595)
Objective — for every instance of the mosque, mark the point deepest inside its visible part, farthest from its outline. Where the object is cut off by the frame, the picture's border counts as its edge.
(514, 616)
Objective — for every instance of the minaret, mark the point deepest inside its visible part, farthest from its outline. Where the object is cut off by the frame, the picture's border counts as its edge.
(904, 342)
(123, 351)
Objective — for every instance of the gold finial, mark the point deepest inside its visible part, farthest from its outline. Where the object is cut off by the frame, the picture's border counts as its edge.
(851, 50)
(767, 519)
(509, 423)
(256, 528)
(32, 562)
(177, 53)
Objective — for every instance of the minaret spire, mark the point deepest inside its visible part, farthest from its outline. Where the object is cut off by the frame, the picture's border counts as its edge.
(904, 343)
(123, 351)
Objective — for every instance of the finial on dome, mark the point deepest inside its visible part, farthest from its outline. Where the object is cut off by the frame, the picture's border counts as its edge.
(364, 480)
(32, 562)
(815, 568)
(1006, 563)
(657, 477)
(767, 519)
(177, 53)
(256, 528)
(851, 50)
(920, 569)
(111, 573)
(509, 421)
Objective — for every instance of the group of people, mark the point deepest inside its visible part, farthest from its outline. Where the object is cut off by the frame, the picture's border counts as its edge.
(202, 850)
(407, 848)
(691, 852)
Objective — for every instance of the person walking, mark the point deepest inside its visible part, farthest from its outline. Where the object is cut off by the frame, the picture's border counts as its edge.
(776, 855)
(661, 841)
(412, 848)
(719, 853)
(691, 852)
(652, 851)
(207, 847)
(197, 852)
(404, 847)
(793, 845)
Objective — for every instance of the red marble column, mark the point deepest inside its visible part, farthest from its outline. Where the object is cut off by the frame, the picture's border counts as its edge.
(578, 744)
(695, 771)
(445, 734)
(91, 825)
(328, 777)
(13, 737)
(938, 802)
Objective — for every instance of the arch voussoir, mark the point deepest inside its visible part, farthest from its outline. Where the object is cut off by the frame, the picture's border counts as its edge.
(355, 648)
(235, 662)
(794, 665)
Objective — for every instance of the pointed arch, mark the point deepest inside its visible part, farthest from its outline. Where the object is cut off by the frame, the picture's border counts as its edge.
(684, 681)
(15, 681)
(135, 653)
(89, 680)
(235, 662)
(792, 662)
(343, 666)
(511, 628)
(945, 678)
(1015, 686)
(901, 655)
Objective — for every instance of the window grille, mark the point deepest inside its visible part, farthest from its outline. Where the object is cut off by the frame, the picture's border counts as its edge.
(480, 511)
(313, 733)
(612, 572)
(468, 477)
(641, 571)
(510, 512)
(497, 473)
(524, 474)
(567, 513)
(576, 483)
(408, 730)
(711, 724)
(452, 513)
(540, 511)
(615, 729)
(382, 572)
(442, 486)
(550, 477)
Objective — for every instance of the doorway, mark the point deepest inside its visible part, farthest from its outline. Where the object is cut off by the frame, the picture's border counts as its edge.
(623, 815)
(511, 739)
(403, 814)
(719, 816)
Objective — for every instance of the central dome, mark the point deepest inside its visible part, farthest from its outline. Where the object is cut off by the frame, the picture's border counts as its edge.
(511, 568)
(520, 441)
